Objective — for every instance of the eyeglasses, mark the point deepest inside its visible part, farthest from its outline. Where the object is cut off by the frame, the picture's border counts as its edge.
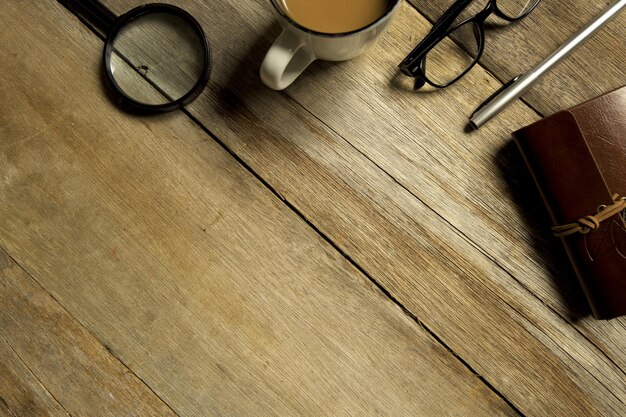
(441, 64)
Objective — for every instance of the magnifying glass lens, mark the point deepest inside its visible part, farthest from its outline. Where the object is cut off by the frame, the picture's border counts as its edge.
(157, 58)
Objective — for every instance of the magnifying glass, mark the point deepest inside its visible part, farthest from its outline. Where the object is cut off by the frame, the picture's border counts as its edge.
(156, 56)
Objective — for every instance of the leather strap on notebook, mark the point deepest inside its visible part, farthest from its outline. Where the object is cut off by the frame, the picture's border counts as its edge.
(592, 222)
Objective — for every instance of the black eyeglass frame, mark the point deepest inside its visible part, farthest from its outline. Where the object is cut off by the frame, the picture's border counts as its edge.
(414, 65)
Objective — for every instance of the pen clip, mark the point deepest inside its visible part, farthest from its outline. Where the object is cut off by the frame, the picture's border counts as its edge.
(498, 91)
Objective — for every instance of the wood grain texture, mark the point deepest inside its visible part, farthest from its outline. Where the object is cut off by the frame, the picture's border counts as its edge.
(596, 67)
(438, 218)
(72, 365)
(195, 275)
(21, 394)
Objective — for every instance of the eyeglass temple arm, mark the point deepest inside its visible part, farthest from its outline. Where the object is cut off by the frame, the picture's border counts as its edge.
(409, 63)
(451, 14)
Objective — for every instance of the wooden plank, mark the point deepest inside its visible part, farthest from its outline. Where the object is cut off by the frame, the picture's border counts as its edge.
(196, 276)
(410, 230)
(595, 68)
(20, 392)
(75, 368)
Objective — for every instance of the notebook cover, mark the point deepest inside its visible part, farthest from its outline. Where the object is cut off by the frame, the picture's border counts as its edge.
(578, 160)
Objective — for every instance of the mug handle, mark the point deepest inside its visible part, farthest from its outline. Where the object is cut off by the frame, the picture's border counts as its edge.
(286, 59)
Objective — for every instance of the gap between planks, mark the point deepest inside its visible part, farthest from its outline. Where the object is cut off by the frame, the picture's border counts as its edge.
(352, 262)
(17, 355)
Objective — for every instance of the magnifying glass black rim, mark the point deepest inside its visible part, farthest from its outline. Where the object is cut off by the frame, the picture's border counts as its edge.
(123, 20)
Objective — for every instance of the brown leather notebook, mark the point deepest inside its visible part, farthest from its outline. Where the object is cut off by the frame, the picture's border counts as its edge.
(578, 160)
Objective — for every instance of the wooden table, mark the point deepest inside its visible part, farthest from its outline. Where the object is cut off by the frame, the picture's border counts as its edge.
(339, 248)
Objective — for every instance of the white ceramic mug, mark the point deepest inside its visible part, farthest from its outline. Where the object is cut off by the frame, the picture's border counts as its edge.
(297, 46)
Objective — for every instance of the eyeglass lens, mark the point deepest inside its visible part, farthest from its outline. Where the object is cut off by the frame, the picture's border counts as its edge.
(514, 9)
(449, 60)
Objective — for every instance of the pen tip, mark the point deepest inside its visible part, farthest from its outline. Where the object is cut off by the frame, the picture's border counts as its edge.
(470, 127)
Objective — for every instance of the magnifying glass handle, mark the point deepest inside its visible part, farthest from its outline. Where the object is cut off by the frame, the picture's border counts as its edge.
(96, 13)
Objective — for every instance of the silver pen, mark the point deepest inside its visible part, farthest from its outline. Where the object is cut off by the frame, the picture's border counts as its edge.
(518, 85)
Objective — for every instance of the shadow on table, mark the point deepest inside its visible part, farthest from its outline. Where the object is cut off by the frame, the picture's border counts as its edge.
(404, 84)
(244, 82)
(524, 194)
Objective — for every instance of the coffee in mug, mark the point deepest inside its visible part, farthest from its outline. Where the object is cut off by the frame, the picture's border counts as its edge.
(335, 16)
